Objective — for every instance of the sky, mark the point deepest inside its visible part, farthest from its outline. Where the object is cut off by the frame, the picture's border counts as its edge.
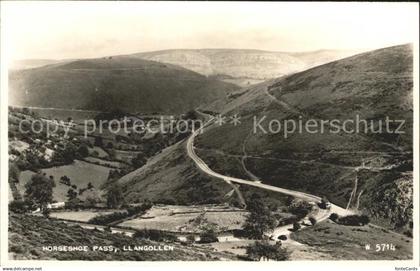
(60, 30)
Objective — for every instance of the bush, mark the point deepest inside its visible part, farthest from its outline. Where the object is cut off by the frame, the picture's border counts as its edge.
(109, 218)
(282, 237)
(155, 235)
(106, 219)
(18, 206)
(296, 226)
(354, 220)
(208, 235)
(264, 249)
(334, 217)
(300, 208)
(312, 220)
(82, 151)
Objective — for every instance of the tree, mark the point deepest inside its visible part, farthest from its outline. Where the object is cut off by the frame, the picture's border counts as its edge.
(71, 194)
(89, 186)
(265, 250)
(18, 206)
(300, 208)
(65, 180)
(14, 173)
(312, 220)
(114, 197)
(98, 141)
(333, 217)
(39, 190)
(69, 153)
(83, 151)
(46, 212)
(259, 220)
(208, 235)
(296, 226)
(354, 220)
(139, 160)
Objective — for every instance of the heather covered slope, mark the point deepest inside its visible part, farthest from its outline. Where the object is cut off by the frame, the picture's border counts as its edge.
(29, 234)
(105, 84)
(349, 168)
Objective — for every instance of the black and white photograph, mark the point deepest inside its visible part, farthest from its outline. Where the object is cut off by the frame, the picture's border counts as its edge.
(160, 132)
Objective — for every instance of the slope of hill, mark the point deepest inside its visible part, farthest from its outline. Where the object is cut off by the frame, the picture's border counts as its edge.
(170, 177)
(29, 234)
(130, 84)
(241, 66)
(349, 168)
(33, 63)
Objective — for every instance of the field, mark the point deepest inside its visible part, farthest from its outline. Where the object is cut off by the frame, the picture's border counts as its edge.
(100, 151)
(347, 242)
(80, 174)
(188, 218)
(82, 216)
(105, 163)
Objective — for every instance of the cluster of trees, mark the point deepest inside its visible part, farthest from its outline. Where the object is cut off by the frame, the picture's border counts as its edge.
(350, 220)
(263, 250)
(155, 235)
(208, 234)
(260, 220)
(299, 208)
(139, 160)
(69, 152)
(130, 211)
(38, 194)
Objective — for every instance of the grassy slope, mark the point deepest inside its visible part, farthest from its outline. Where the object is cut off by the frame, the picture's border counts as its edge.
(80, 174)
(373, 85)
(105, 84)
(28, 234)
(346, 242)
(172, 177)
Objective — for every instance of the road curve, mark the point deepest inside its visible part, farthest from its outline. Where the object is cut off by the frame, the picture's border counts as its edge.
(322, 214)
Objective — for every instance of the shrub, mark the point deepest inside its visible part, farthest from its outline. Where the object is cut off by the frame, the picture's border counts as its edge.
(264, 249)
(155, 235)
(108, 218)
(282, 237)
(300, 208)
(354, 220)
(18, 206)
(190, 238)
(312, 220)
(296, 226)
(208, 235)
(334, 217)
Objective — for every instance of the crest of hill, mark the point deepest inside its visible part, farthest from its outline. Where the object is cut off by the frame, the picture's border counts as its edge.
(243, 63)
(104, 84)
(373, 85)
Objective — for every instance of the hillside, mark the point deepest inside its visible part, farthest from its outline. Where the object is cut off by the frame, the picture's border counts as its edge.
(130, 84)
(28, 234)
(243, 67)
(349, 168)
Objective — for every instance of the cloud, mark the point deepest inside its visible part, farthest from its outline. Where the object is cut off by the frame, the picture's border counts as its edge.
(93, 29)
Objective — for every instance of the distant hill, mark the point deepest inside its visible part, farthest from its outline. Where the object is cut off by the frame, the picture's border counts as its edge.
(242, 66)
(104, 84)
(28, 234)
(372, 85)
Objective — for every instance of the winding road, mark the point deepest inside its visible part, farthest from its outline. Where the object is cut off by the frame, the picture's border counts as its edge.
(320, 215)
